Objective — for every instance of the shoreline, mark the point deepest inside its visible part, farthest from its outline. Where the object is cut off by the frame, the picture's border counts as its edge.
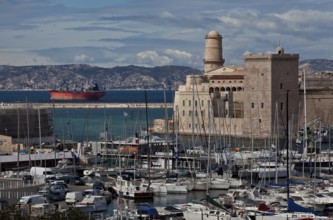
(86, 105)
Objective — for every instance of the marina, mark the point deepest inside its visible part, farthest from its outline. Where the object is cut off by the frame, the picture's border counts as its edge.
(117, 167)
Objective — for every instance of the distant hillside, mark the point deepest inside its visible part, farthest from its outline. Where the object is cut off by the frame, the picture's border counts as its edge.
(120, 77)
(75, 76)
(317, 65)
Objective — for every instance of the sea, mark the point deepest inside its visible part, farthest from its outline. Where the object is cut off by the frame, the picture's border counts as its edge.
(82, 124)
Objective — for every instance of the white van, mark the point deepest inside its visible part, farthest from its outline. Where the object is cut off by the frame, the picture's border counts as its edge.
(42, 171)
(73, 197)
(33, 199)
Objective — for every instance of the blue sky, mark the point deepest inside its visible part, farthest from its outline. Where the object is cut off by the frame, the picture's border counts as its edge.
(110, 33)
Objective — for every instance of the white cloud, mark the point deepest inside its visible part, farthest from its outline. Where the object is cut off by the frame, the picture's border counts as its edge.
(82, 58)
(167, 14)
(178, 54)
(153, 58)
(306, 19)
(19, 58)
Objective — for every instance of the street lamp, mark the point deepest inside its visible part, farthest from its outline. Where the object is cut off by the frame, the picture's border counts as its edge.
(6, 131)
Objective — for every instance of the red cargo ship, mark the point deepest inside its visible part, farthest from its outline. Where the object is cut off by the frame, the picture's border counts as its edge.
(88, 94)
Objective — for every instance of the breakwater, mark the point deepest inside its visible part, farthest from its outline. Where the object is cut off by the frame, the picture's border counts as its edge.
(88, 105)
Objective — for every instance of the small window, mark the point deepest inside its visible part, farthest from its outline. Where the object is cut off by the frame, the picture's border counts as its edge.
(259, 120)
(183, 112)
(189, 102)
(189, 125)
(196, 103)
(281, 85)
(183, 102)
(252, 104)
(281, 106)
(262, 105)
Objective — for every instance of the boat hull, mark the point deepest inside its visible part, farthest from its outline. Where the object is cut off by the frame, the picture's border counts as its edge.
(76, 96)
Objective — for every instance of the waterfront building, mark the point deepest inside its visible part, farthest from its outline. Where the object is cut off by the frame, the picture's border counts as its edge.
(26, 125)
(238, 101)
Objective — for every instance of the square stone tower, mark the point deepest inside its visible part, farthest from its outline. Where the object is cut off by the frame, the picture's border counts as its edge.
(270, 80)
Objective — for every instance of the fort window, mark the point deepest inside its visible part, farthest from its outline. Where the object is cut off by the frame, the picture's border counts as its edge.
(252, 104)
(222, 89)
(189, 102)
(239, 89)
(281, 86)
(183, 102)
(217, 89)
(211, 89)
(262, 105)
(189, 125)
(233, 88)
(183, 112)
(213, 81)
(218, 81)
(196, 103)
(259, 120)
(281, 106)
(228, 89)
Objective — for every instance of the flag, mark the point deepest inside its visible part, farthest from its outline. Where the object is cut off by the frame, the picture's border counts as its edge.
(125, 114)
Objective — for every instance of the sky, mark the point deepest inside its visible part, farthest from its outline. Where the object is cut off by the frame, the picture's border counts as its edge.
(109, 33)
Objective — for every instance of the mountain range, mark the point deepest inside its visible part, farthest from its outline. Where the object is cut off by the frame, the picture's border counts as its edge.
(72, 76)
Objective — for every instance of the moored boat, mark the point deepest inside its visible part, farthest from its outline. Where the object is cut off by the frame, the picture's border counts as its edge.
(86, 94)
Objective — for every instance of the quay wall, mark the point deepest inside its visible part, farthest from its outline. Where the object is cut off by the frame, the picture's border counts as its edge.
(87, 105)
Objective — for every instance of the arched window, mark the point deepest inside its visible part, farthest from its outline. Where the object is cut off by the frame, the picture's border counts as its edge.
(211, 90)
(222, 89)
(233, 88)
(217, 89)
(239, 88)
(228, 89)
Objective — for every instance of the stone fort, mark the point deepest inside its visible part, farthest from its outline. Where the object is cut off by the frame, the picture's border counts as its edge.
(260, 100)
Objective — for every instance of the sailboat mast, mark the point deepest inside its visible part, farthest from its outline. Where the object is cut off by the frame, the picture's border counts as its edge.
(287, 144)
(305, 131)
(40, 135)
(209, 149)
(148, 145)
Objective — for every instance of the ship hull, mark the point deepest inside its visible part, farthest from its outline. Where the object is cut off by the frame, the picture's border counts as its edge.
(78, 96)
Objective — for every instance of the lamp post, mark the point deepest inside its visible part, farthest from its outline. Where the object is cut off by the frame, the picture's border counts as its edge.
(6, 131)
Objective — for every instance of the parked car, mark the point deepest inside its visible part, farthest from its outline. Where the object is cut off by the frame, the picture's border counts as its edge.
(91, 192)
(76, 180)
(65, 178)
(28, 179)
(73, 197)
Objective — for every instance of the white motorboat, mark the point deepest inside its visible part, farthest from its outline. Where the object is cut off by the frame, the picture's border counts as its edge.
(92, 203)
(267, 170)
(132, 189)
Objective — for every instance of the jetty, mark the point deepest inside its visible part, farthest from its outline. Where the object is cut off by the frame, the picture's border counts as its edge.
(87, 105)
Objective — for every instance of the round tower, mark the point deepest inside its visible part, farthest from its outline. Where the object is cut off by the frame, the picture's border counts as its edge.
(213, 51)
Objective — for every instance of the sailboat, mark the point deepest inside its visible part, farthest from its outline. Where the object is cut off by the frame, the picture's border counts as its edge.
(130, 187)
